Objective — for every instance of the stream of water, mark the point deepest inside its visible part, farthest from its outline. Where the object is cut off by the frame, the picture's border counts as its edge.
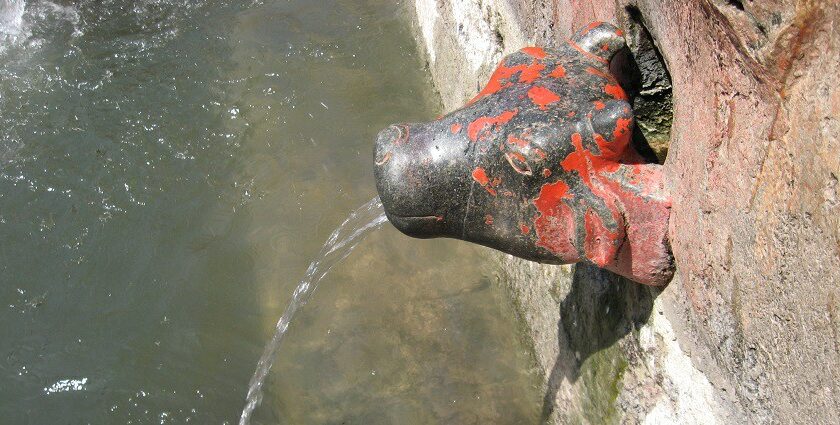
(169, 169)
(338, 246)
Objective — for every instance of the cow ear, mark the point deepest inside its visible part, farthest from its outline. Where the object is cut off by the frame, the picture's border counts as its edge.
(601, 39)
(612, 127)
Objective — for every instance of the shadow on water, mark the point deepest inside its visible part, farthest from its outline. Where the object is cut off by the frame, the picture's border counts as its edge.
(600, 309)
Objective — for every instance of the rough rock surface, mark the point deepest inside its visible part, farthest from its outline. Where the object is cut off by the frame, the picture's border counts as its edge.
(748, 331)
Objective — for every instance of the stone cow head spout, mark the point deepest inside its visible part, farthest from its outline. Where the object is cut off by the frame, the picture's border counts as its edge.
(538, 164)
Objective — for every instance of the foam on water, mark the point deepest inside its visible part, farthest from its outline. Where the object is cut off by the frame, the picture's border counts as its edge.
(338, 246)
(66, 385)
(11, 17)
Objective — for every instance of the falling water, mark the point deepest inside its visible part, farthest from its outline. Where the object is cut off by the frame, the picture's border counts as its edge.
(11, 17)
(338, 246)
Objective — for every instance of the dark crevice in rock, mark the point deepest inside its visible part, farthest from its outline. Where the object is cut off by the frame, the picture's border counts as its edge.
(644, 75)
(736, 4)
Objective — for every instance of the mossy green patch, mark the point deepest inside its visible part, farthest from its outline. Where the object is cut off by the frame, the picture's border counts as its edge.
(600, 382)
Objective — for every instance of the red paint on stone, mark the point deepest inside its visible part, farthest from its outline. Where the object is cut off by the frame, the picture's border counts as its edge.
(592, 26)
(554, 223)
(605, 75)
(600, 244)
(501, 78)
(609, 150)
(488, 220)
(542, 96)
(578, 160)
(623, 130)
(524, 228)
(559, 72)
(480, 176)
(455, 128)
(531, 73)
(550, 195)
(516, 141)
(536, 52)
(615, 91)
(622, 187)
(483, 126)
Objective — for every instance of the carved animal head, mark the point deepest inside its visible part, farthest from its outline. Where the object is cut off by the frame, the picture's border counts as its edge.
(538, 164)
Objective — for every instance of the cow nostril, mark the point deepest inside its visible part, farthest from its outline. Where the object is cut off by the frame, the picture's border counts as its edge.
(393, 135)
(385, 141)
(382, 158)
(388, 139)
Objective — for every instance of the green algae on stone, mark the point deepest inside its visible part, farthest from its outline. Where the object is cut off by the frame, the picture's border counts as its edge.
(600, 382)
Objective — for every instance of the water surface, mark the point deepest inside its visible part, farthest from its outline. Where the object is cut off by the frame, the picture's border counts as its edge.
(167, 172)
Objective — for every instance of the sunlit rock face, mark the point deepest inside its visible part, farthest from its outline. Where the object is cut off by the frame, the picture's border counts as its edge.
(752, 169)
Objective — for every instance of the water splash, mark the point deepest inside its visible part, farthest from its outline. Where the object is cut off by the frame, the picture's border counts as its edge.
(338, 246)
(67, 385)
(11, 18)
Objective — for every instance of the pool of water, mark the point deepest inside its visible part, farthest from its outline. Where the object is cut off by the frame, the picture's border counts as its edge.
(168, 169)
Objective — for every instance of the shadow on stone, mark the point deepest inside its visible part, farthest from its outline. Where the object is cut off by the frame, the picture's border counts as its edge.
(602, 312)
(599, 311)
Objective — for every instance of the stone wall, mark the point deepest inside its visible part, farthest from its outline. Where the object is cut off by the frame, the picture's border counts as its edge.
(748, 330)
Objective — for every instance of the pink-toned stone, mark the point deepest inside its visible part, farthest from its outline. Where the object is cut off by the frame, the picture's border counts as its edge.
(753, 165)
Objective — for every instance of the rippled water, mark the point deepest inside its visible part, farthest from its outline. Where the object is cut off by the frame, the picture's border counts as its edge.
(168, 170)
